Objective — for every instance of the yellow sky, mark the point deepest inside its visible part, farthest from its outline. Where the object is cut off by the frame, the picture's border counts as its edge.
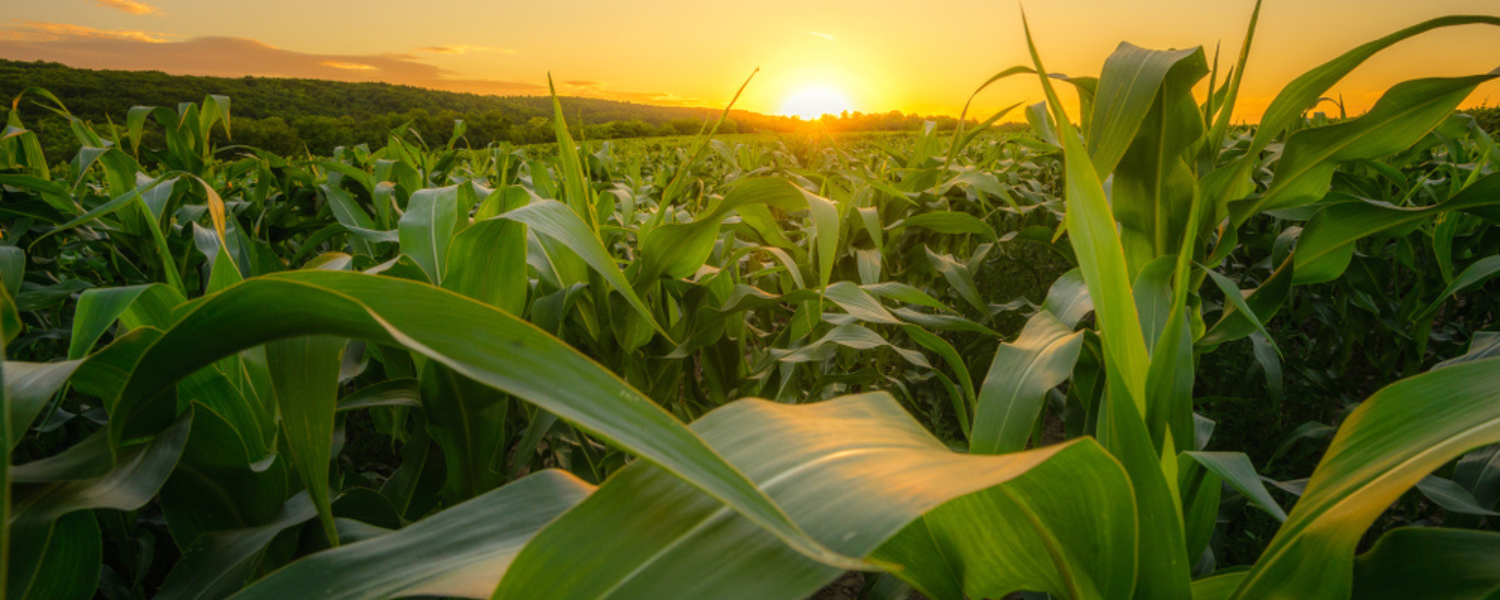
(923, 57)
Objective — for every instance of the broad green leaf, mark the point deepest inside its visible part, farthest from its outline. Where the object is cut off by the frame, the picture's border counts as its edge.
(427, 228)
(1400, 118)
(12, 268)
(1163, 572)
(855, 471)
(1452, 497)
(1235, 469)
(1327, 243)
(679, 249)
(852, 336)
(951, 223)
(1020, 375)
(1303, 92)
(219, 484)
(902, 292)
(860, 304)
(558, 222)
(467, 420)
(1481, 270)
(133, 481)
(1129, 85)
(219, 564)
(478, 341)
(134, 306)
(1388, 444)
(958, 275)
(487, 262)
(28, 388)
(462, 551)
(1415, 562)
(1068, 298)
(305, 375)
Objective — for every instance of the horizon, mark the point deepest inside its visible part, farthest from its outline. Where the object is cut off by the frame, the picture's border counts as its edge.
(871, 61)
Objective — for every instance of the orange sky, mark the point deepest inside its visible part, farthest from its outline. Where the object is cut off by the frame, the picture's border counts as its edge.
(879, 54)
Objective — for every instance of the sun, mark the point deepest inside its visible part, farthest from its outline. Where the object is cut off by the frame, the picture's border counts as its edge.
(811, 103)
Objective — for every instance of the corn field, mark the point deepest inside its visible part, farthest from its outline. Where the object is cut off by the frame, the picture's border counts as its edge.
(964, 364)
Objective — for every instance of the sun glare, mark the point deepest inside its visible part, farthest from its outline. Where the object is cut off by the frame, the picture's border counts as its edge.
(811, 103)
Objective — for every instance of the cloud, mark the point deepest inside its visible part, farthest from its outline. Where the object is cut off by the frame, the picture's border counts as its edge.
(826, 36)
(90, 48)
(462, 49)
(33, 32)
(130, 6)
(349, 66)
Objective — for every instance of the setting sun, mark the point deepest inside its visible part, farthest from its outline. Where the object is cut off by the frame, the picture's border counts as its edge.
(811, 103)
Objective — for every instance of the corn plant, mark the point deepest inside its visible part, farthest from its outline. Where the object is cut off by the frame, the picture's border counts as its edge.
(740, 369)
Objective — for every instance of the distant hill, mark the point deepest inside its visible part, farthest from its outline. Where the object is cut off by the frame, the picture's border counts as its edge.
(290, 116)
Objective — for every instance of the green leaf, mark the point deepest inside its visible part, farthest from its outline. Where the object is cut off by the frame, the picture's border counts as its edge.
(476, 340)
(1479, 271)
(1130, 84)
(134, 306)
(487, 262)
(950, 223)
(136, 476)
(462, 551)
(1387, 445)
(860, 304)
(558, 222)
(28, 388)
(219, 564)
(1236, 298)
(1413, 562)
(1265, 300)
(467, 419)
(854, 471)
(219, 484)
(1327, 243)
(305, 375)
(1235, 469)
(958, 275)
(852, 336)
(1020, 375)
(1304, 92)
(679, 249)
(427, 228)
(1399, 119)
(1163, 572)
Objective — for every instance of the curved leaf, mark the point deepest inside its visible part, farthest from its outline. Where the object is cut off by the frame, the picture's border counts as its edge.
(462, 551)
(854, 471)
(1388, 444)
(476, 340)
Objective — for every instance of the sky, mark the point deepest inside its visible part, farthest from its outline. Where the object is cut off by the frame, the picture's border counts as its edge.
(869, 55)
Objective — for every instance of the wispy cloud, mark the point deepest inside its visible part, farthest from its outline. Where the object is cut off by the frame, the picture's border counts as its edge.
(130, 6)
(39, 32)
(826, 36)
(462, 49)
(348, 66)
(91, 48)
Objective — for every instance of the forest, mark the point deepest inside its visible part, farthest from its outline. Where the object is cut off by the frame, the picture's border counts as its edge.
(298, 116)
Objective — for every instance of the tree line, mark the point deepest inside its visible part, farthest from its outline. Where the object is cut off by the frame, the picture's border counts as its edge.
(297, 116)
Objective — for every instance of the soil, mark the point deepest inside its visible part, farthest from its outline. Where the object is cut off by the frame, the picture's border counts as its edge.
(847, 587)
